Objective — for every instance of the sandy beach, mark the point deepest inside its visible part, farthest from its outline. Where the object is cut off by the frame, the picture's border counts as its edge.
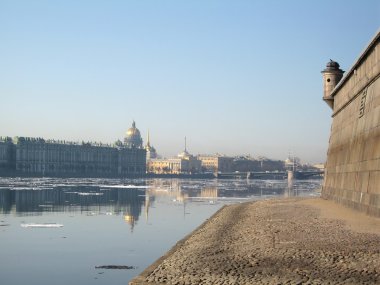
(283, 241)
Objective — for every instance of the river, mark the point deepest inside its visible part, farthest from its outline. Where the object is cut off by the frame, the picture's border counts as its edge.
(57, 231)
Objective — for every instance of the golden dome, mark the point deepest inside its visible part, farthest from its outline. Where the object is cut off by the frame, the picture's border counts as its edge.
(133, 137)
(133, 132)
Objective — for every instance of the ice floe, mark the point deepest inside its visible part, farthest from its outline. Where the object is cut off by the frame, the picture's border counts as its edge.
(43, 225)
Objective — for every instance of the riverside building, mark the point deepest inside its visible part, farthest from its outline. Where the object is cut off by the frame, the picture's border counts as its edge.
(7, 154)
(40, 157)
(216, 163)
(184, 163)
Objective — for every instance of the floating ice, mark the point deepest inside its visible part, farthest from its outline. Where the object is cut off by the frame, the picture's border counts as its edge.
(125, 186)
(44, 225)
(89, 194)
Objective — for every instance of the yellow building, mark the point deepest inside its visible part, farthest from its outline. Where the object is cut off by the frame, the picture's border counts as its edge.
(161, 166)
(184, 163)
(216, 163)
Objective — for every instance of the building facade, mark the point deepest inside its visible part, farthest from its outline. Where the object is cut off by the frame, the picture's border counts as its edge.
(352, 172)
(249, 164)
(167, 166)
(7, 154)
(131, 161)
(40, 157)
(191, 164)
(184, 163)
(37, 156)
(216, 163)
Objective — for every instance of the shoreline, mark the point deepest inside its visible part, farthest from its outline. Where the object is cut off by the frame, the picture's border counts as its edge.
(276, 241)
(150, 269)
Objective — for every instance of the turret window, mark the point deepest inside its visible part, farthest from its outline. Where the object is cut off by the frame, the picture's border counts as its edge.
(328, 79)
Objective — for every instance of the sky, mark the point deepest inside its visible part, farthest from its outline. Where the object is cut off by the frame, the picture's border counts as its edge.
(235, 77)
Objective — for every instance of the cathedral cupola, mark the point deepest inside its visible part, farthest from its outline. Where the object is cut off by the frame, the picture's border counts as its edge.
(133, 137)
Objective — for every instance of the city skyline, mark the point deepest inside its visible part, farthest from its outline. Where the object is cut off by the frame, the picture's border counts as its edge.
(118, 143)
(234, 77)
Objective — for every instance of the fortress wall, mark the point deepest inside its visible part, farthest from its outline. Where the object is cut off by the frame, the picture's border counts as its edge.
(353, 162)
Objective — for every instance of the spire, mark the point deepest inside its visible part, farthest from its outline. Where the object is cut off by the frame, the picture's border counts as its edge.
(148, 141)
(133, 124)
(185, 145)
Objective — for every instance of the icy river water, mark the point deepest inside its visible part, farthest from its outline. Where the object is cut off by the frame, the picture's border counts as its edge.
(57, 231)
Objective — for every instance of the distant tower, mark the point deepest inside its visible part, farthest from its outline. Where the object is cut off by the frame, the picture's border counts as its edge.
(150, 150)
(184, 154)
(332, 74)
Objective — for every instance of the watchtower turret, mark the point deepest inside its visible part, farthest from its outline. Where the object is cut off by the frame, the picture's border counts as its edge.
(332, 74)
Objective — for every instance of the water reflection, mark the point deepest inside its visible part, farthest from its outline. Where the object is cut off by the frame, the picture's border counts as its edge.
(216, 190)
(94, 213)
(35, 196)
(92, 200)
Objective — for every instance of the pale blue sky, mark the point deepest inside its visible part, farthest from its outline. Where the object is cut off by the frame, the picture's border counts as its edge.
(235, 77)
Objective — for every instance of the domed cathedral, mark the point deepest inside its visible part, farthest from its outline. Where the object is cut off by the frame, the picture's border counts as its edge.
(133, 138)
(132, 155)
(150, 150)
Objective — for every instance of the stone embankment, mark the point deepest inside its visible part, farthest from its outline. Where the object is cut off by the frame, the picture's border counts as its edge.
(289, 241)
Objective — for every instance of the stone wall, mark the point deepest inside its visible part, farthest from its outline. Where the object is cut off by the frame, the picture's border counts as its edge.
(352, 174)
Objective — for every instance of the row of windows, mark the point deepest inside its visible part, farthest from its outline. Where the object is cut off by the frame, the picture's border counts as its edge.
(69, 168)
(78, 156)
(65, 167)
(65, 157)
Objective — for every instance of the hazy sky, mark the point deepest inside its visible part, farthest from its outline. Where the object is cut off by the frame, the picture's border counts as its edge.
(234, 77)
